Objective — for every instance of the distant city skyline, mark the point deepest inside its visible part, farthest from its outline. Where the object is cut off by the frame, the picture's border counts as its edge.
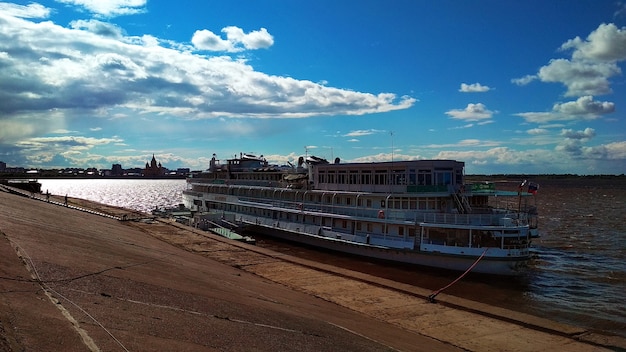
(152, 168)
(529, 87)
(147, 162)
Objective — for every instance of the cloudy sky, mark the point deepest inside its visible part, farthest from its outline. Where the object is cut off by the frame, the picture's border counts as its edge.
(506, 86)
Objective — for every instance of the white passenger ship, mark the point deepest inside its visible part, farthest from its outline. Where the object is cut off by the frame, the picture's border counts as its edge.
(419, 212)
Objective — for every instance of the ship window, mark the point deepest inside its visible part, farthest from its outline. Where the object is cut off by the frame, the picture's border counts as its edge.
(412, 203)
(380, 178)
(382, 203)
(399, 177)
(331, 177)
(369, 227)
(411, 231)
(344, 224)
(443, 176)
(358, 226)
(368, 203)
(412, 177)
(354, 177)
(405, 203)
(401, 231)
(424, 178)
(348, 201)
(341, 178)
(366, 177)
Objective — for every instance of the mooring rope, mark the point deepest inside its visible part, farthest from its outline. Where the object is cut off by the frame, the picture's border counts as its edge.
(431, 297)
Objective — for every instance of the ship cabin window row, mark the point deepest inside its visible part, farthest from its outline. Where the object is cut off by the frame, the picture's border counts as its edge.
(413, 177)
(260, 176)
(349, 202)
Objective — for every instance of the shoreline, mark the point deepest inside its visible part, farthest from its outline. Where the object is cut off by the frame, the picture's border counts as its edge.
(368, 296)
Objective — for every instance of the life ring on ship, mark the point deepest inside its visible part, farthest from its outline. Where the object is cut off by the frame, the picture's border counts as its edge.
(381, 214)
(443, 204)
(299, 206)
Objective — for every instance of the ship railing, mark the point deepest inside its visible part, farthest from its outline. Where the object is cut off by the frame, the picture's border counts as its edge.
(324, 231)
(504, 219)
(490, 217)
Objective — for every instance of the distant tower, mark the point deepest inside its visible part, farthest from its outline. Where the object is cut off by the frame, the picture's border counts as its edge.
(116, 170)
(153, 169)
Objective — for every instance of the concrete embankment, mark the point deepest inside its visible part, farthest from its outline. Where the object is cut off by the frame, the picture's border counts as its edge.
(96, 283)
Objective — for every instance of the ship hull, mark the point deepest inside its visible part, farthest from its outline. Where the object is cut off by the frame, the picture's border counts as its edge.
(459, 263)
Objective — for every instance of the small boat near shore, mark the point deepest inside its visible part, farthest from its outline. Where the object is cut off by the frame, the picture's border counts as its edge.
(29, 185)
(418, 212)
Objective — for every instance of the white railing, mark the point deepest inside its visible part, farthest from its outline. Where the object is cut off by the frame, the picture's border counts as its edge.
(323, 231)
(511, 219)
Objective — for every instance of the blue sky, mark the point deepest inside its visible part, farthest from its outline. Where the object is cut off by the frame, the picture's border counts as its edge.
(507, 87)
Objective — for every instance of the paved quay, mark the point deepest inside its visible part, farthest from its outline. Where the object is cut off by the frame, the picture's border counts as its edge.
(76, 281)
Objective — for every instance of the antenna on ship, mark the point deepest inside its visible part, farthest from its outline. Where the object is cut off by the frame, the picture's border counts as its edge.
(391, 133)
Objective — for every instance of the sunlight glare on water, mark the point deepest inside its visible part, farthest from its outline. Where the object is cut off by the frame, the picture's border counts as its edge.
(137, 194)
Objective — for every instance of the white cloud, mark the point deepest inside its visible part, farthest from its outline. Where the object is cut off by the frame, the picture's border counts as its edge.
(236, 40)
(606, 43)
(32, 10)
(360, 133)
(537, 131)
(465, 143)
(580, 77)
(386, 157)
(473, 112)
(497, 155)
(52, 76)
(206, 40)
(593, 62)
(473, 88)
(585, 106)
(109, 8)
(72, 70)
(97, 27)
(621, 10)
(40, 150)
(586, 134)
(499, 159)
(524, 80)
(614, 151)
(260, 39)
(469, 125)
(573, 143)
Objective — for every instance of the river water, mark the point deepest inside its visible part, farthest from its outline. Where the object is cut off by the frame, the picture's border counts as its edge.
(578, 274)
